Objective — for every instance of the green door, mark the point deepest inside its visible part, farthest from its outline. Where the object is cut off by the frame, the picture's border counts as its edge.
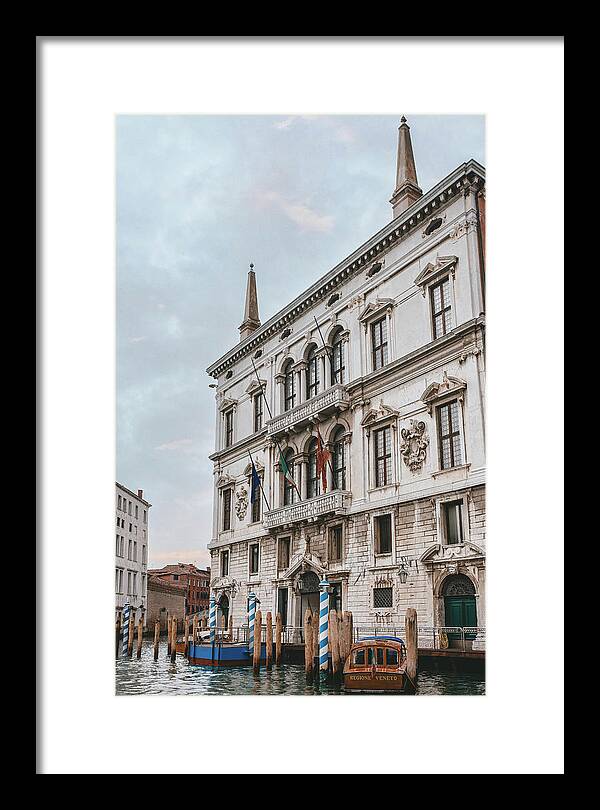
(460, 607)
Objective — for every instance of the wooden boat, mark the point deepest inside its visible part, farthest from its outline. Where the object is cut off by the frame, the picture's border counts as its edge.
(377, 664)
(222, 653)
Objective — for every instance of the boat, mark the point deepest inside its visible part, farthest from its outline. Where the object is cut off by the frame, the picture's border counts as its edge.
(377, 664)
(223, 652)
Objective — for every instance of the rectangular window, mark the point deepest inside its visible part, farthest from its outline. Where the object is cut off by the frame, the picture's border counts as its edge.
(226, 510)
(335, 597)
(136, 511)
(229, 427)
(129, 583)
(337, 362)
(383, 457)
(118, 551)
(283, 554)
(134, 581)
(379, 345)
(144, 555)
(254, 556)
(452, 517)
(449, 435)
(256, 506)
(129, 549)
(289, 389)
(143, 584)
(383, 534)
(130, 507)
(144, 516)
(116, 580)
(441, 308)
(383, 597)
(282, 604)
(335, 543)
(225, 563)
(131, 527)
(119, 502)
(134, 551)
(258, 412)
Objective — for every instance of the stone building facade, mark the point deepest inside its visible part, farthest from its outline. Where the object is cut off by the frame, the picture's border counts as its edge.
(132, 513)
(383, 358)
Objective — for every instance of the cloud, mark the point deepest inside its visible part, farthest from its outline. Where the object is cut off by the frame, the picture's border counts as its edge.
(198, 555)
(137, 339)
(285, 124)
(176, 444)
(297, 212)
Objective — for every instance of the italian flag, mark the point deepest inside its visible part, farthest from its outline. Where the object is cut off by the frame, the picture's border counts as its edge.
(286, 472)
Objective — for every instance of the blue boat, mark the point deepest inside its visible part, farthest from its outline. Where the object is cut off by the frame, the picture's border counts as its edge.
(222, 653)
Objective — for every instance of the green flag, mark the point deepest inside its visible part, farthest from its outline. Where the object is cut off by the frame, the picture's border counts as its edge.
(286, 472)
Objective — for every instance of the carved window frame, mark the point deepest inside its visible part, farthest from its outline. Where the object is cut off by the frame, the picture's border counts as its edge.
(374, 312)
(439, 503)
(433, 275)
(252, 544)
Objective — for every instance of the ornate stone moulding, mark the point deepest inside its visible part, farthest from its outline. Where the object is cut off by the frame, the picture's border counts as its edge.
(413, 447)
(241, 502)
(435, 271)
(460, 552)
(438, 391)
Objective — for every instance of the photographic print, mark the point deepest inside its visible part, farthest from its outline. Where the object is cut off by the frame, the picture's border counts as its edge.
(300, 497)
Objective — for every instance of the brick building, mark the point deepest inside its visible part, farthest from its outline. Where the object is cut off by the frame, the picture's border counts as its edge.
(194, 581)
(396, 390)
(165, 599)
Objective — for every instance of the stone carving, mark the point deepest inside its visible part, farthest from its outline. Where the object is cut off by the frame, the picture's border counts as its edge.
(241, 503)
(414, 445)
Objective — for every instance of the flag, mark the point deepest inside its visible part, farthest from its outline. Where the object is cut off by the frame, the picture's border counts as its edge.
(286, 472)
(255, 491)
(323, 456)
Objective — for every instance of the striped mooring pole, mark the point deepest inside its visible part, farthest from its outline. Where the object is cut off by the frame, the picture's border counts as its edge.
(125, 629)
(251, 617)
(212, 618)
(323, 624)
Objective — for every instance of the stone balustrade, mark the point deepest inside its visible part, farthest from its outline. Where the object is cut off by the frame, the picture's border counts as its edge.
(336, 502)
(320, 407)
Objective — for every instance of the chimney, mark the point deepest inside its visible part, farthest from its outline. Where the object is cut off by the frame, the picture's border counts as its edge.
(140, 493)
(407, 191)
(251, 319)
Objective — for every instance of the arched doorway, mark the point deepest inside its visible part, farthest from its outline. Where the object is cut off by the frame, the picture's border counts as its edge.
(223, 610)
(308, 585)
(460, 604)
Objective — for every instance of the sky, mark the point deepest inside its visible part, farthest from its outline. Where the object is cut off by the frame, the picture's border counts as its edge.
(198, 199)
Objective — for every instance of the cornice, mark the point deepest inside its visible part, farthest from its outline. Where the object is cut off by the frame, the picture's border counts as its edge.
(461, 179)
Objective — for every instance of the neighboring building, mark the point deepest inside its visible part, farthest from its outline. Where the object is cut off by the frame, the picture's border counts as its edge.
(398, 398)
(131, 550)
(193, 580)
(165, 599)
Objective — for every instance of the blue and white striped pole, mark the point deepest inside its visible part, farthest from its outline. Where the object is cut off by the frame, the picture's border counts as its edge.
(323, 624)
(125, 629)
(251, 617)
(212, 618)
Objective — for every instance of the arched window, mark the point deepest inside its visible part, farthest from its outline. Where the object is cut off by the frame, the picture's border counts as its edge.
(338, 370)
(288, 487)
(339, 459)
(313, 488)
(312, 374)
(289, 387)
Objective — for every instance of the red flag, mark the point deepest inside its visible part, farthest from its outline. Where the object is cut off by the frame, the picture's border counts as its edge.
(323, 456)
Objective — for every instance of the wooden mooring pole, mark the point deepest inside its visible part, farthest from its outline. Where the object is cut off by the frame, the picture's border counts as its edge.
(174, 639)
(156, 638)
(269, 641)
(411, 638)
(308, 645)
(194, 629)
(118, 635)
(257, 634)
(140, 634)
(334, 643)
(278, 634)
(230, 629)
(130, 638)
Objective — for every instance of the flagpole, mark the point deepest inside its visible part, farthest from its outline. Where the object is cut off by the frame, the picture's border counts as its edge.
(260, 483)
(265, 400)
(326, 349)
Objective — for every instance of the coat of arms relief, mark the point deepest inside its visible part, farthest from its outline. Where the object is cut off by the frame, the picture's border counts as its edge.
(414, 445)
(241, 503)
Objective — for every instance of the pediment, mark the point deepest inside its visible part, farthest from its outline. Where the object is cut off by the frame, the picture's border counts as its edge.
(376, 307)
(301, 563)
(433, 271)
(225, 480)
(379, 414)
(437, 390)
(260, 468)
(227, 403)
(254, 387)
(440, 553)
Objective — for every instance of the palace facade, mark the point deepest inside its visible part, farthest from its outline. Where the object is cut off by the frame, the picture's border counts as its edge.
(384, 358)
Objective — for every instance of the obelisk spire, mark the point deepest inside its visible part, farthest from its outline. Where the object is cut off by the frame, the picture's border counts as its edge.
(407, 190)
(251, 319)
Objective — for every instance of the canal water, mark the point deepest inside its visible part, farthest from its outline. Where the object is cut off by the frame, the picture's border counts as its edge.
(148, 677)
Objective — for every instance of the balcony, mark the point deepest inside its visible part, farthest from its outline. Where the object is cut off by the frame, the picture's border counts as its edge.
(321, 406)
(336, 502)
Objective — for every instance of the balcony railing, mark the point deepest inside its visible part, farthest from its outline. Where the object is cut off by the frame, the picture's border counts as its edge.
(322, 405)
(337, 502)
